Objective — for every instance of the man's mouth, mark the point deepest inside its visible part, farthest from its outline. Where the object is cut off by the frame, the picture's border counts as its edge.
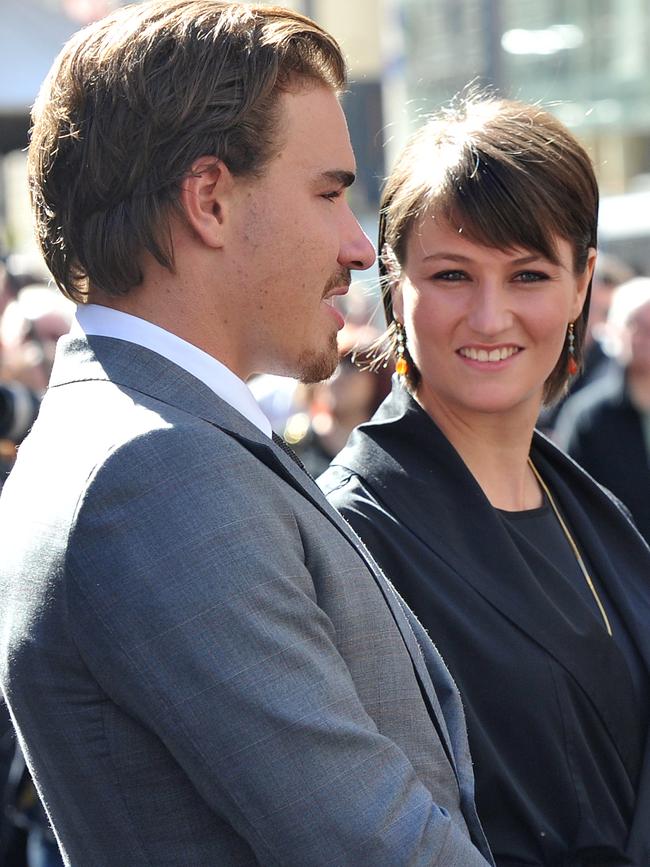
(330, 294)
(337, 285)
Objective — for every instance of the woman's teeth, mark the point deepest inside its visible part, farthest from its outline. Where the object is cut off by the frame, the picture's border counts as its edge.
(483, 354)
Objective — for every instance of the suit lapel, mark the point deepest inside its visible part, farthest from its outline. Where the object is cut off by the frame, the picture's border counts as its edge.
(141, 370)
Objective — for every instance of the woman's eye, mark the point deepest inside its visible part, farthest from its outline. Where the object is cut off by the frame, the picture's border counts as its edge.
(450, 276)
(530, 276)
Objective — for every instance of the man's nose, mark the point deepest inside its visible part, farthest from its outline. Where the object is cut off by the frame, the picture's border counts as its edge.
(357, 252)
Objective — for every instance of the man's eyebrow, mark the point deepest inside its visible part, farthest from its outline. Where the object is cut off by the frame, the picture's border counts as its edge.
(337, 176)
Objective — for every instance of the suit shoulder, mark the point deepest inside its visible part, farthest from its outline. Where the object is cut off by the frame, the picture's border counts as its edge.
(189, 464)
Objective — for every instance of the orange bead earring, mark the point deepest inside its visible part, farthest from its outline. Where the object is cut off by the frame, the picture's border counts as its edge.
(401, 365)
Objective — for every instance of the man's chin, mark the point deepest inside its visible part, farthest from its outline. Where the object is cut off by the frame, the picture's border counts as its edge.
(315, 367)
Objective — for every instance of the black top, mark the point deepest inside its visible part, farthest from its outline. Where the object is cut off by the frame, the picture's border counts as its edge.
(541, 529)
(556, 730)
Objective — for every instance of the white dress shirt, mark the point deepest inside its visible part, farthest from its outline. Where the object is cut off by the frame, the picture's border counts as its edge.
(106, 322)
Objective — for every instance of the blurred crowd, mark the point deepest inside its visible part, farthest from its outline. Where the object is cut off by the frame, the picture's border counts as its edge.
(33, 315)
(603, 423)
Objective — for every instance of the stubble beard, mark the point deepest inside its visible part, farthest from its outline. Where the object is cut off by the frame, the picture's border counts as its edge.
(316, 366)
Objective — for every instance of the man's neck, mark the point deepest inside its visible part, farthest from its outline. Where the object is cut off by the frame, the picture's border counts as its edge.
(105, 321)
(156, 301)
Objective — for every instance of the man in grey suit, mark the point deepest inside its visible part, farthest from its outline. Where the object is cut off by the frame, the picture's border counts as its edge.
(202, 662)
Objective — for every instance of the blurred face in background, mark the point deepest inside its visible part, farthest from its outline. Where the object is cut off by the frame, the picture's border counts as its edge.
(351, 390)
(30, 327)
(638, 332)
(599, 304)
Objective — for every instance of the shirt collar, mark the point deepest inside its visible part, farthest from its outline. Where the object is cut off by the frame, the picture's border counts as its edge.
(95, 319)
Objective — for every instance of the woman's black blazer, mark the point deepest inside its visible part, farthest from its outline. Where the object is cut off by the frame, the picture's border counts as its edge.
(427, 522)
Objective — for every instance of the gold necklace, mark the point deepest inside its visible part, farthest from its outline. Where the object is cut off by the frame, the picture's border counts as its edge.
(573, 545)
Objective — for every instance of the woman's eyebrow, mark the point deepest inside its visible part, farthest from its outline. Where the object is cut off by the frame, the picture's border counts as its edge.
(457, 257)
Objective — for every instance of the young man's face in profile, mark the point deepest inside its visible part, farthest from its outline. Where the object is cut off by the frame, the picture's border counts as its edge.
(298, 239)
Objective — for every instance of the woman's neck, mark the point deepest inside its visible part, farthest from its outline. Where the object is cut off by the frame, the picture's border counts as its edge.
(495, 449)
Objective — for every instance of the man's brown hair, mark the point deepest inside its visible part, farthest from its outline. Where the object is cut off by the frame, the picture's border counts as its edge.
(505, 173)
(132, 101)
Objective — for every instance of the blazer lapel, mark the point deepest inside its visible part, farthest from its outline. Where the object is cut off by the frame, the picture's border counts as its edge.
(139, 369)
(610, 535)
(613, 535)
(415, 471)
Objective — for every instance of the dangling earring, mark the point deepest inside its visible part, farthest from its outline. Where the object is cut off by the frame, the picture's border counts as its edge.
(572, 364)
(401, 365)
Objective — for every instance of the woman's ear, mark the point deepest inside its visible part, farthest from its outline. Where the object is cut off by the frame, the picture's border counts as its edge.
(204, 198)
(397, 300)
(393, 280)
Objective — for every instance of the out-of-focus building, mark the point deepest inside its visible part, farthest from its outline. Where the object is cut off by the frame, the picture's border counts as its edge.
(588, 61)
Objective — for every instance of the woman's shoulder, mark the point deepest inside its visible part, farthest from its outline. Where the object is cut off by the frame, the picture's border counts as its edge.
(346, 490)
(337, 479)
(361, 505)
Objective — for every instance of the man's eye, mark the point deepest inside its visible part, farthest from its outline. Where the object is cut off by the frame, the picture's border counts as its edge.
(335, 194)
(530, 276)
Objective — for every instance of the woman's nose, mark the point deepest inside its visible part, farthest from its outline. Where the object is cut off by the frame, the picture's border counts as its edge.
(489, 312)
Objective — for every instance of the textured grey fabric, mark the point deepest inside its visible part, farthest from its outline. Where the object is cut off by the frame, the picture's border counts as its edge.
(203, 664)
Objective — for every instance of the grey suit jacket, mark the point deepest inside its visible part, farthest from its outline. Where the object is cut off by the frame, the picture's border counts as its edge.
(203, 663)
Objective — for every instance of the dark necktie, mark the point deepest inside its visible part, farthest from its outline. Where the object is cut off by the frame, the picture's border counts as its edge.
(277, 439)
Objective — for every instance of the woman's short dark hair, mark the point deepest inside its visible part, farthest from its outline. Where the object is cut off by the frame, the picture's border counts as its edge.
(133, 100)
(508, 174)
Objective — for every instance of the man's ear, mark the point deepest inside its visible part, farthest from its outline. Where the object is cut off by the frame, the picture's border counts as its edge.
(204, 198)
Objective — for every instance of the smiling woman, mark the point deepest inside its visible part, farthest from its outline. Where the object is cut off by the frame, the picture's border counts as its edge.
(529, 577)
(485, 327)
